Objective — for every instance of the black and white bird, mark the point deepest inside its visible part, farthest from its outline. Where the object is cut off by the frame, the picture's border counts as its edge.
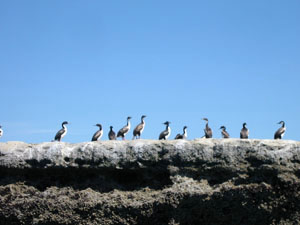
(1, 131)
(182, 136)
(224, 132)
(281, 131)
(111, 134)
(244, 132)
(62, 132)
(166, 133)
(138, 130)
(122, 132)
(208, 131)
(98, 133)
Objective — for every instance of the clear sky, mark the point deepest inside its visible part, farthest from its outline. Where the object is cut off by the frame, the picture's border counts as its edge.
(91, 62)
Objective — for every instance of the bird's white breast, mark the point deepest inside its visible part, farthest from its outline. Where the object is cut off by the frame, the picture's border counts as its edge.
(143, 127)
(283, 132)
(128, 126)
(100, 134)
(169, 133)
(185, 135)
(65, 132)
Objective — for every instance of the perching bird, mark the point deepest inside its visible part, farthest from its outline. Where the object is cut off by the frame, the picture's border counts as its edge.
(224, 132)
(125, 129)
(208, 131)
(1, 131)
(244, 132)
(166, 133)
(98, 133)
(111, 134)
(281, 131)
(62, 132)
(138, 130)
(182, 136)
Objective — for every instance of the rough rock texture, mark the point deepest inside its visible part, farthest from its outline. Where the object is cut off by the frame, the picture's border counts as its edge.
(204, 181)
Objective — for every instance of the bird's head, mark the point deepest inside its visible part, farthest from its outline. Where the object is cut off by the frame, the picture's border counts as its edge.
(111, 127)
(281, 122)
(205, 119)
(98, 125)
(143, 116)
(65, 122)
(244, 124)
(223, 127)
(167, 123)
(129, 117)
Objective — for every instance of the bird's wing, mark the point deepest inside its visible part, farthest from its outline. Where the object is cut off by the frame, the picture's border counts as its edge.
(123, 130)
(163, 134)
(208, 132)
(139, 127)
(112, 135)
(96, 135)
(244, 133)
(178, 136)
(58, 134)
(279, 132)
(225, 134)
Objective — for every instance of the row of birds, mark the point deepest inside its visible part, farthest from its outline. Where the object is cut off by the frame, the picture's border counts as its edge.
(164, 135)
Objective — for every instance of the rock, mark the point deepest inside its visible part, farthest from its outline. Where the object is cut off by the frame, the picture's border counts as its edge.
(202, 181)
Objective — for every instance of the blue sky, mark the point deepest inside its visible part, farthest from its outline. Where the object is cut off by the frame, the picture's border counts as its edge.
(91, 62)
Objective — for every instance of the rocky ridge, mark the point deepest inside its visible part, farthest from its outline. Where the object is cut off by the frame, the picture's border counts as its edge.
(202, 181)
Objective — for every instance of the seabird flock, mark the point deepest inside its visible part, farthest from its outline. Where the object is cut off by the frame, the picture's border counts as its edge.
(164, 135)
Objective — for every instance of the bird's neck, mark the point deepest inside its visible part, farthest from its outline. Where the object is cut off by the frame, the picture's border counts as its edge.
(283, 124)
(64, 126)
(128, 123)
(100, 127)
(143, 121)
(168, 128)
(184, 132)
